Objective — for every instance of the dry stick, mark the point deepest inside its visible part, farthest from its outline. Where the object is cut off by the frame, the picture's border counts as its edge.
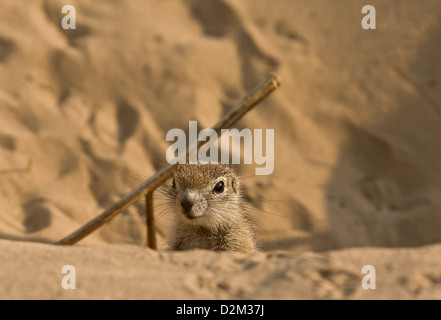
(150, 220)
(253, 98)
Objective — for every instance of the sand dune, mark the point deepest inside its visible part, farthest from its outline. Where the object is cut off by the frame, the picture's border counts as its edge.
(84, 114)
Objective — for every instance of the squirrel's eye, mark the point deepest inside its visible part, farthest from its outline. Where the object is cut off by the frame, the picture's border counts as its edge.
(219, 187)
(174, 184)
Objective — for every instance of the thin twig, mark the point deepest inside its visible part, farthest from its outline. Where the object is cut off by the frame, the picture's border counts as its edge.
(244, 105)
(150, 221)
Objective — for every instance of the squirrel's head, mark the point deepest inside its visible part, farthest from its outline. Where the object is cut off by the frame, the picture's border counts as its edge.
(205, 194)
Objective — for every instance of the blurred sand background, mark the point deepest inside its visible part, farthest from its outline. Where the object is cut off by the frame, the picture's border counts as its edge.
(357, 120)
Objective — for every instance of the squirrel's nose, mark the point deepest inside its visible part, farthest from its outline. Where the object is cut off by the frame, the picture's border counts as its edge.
(186, 204)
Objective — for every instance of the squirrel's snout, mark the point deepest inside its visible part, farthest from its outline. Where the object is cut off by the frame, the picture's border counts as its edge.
(186, 204)
(192, 205)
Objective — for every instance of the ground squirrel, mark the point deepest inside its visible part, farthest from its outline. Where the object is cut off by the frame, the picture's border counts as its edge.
(209, 209)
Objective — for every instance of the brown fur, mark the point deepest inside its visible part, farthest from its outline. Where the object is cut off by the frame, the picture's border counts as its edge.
(216, 220)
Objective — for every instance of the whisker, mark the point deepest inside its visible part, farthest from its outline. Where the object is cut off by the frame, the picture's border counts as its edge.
(261, 211)
(161, 214)
(261, 228)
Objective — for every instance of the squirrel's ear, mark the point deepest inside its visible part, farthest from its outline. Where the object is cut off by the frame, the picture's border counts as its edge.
(234, 185)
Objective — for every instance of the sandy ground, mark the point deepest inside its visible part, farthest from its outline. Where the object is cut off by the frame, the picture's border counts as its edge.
(357, 178)
(133, 272)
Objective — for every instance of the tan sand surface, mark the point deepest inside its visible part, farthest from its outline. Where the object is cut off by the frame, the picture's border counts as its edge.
(357, 121)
